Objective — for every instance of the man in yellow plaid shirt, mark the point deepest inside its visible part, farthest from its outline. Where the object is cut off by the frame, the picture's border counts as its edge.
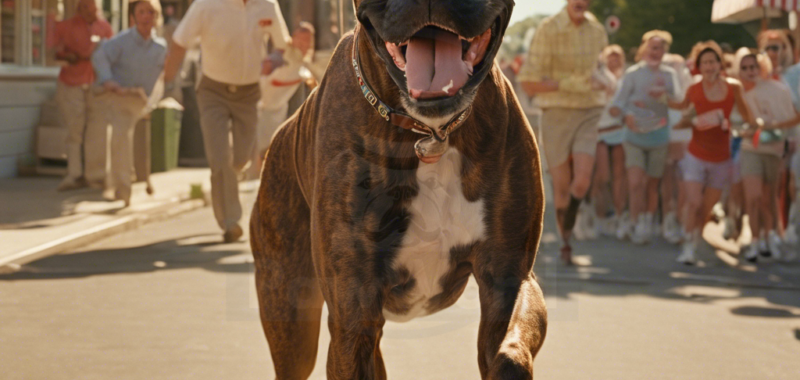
(561, 71)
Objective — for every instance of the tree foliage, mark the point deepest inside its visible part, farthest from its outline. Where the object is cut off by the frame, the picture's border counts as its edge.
(689, 21)
(516, 40)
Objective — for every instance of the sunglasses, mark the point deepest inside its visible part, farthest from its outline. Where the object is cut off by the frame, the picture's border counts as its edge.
(775, 48)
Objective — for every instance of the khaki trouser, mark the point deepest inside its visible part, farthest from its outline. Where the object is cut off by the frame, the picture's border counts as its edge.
(86, 138)
(228, 118)
(123, 112)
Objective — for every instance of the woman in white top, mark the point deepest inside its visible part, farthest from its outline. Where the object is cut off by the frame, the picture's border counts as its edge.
(610, 156)
(673, 193)
(762, 150)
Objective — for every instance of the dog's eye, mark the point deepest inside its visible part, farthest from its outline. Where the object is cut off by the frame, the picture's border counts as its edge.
(365, 184)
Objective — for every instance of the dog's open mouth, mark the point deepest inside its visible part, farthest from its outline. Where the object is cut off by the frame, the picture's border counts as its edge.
(438, 62)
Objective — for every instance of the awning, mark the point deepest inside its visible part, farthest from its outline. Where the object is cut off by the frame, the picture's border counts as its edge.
(739, 11)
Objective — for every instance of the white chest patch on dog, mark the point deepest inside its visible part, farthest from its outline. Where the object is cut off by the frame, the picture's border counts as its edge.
(441, 218)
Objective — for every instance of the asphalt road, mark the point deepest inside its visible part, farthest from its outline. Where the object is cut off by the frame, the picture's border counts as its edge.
(168, 302)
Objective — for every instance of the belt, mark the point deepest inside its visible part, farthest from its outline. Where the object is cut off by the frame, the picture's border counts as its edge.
(231, 88)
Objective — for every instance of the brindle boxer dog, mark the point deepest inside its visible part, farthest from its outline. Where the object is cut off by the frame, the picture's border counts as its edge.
(409, 169)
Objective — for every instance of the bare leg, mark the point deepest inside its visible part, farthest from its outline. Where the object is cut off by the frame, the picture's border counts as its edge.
(769, 207)
(637, 181)
(737, 206)
(652, 194)
(694, 201)
(562, 175)
(710, 197)
(570, 185)
(669, 189)
(620, 184)
(583, 164)
(602, 177)
(753, 187)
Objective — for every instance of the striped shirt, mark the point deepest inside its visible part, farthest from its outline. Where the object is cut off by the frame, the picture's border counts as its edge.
(569, 54)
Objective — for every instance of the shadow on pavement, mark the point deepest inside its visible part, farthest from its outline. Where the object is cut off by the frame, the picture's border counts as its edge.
(758, 311)
(195, 251)
(34, 203)
(619, 269)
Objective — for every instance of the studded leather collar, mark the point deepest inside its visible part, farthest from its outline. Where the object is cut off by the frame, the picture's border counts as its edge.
(428, 148)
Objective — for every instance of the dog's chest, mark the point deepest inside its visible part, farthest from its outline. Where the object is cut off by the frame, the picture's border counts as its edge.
(441, 218)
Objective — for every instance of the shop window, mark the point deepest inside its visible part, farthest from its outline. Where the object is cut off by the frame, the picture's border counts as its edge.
(328, 15)
(24, 31)
(8, 35)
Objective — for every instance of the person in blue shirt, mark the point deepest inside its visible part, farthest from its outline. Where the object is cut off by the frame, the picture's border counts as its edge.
(642, 101)
(128, 68)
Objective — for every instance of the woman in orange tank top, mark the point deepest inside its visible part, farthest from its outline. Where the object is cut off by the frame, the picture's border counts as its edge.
(707, 166)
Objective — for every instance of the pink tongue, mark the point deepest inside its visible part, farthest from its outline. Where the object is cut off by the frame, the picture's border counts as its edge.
(434, 66)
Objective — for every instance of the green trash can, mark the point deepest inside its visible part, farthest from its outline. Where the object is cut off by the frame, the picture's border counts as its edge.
(165, 132)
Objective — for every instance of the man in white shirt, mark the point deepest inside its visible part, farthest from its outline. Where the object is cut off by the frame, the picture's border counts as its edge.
(232, 36)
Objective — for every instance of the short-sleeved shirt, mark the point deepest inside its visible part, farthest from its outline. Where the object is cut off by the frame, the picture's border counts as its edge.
(561, 50)
(232, 36)
(771, 101)
(792, 79)
(712, 144)
(639, 79)
(74, 35)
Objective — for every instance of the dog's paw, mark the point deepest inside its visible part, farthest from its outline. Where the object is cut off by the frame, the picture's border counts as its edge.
(512, 363)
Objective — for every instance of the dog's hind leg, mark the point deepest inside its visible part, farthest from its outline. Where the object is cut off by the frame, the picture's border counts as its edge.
(289, 296)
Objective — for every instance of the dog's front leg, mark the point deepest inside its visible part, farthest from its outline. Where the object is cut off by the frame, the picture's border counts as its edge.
(513, 326)
(356, 326)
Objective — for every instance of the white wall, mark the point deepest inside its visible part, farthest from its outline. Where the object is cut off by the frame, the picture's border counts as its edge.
(21, 97)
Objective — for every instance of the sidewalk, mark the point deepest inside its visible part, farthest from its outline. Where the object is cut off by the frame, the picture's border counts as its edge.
(37, 221)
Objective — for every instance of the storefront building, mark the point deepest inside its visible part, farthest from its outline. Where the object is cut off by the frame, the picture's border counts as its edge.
(28, 69)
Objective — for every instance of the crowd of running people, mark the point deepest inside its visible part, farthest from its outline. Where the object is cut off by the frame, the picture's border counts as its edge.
(715, 127)
(676, 141)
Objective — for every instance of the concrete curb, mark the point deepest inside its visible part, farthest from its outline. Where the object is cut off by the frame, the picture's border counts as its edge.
(13, 263)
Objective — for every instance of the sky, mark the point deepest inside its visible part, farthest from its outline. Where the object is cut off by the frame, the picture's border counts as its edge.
(525, 8)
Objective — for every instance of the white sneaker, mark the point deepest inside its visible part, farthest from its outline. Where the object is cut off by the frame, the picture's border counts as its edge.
(751, 252)
(641, 233)
(791, 235)
(577, 230)
(624, 229)
(608, 226)
(791, 239)
(774, 243)
(762, 247)
(589, 221)
(672, 230)
(687, 256)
